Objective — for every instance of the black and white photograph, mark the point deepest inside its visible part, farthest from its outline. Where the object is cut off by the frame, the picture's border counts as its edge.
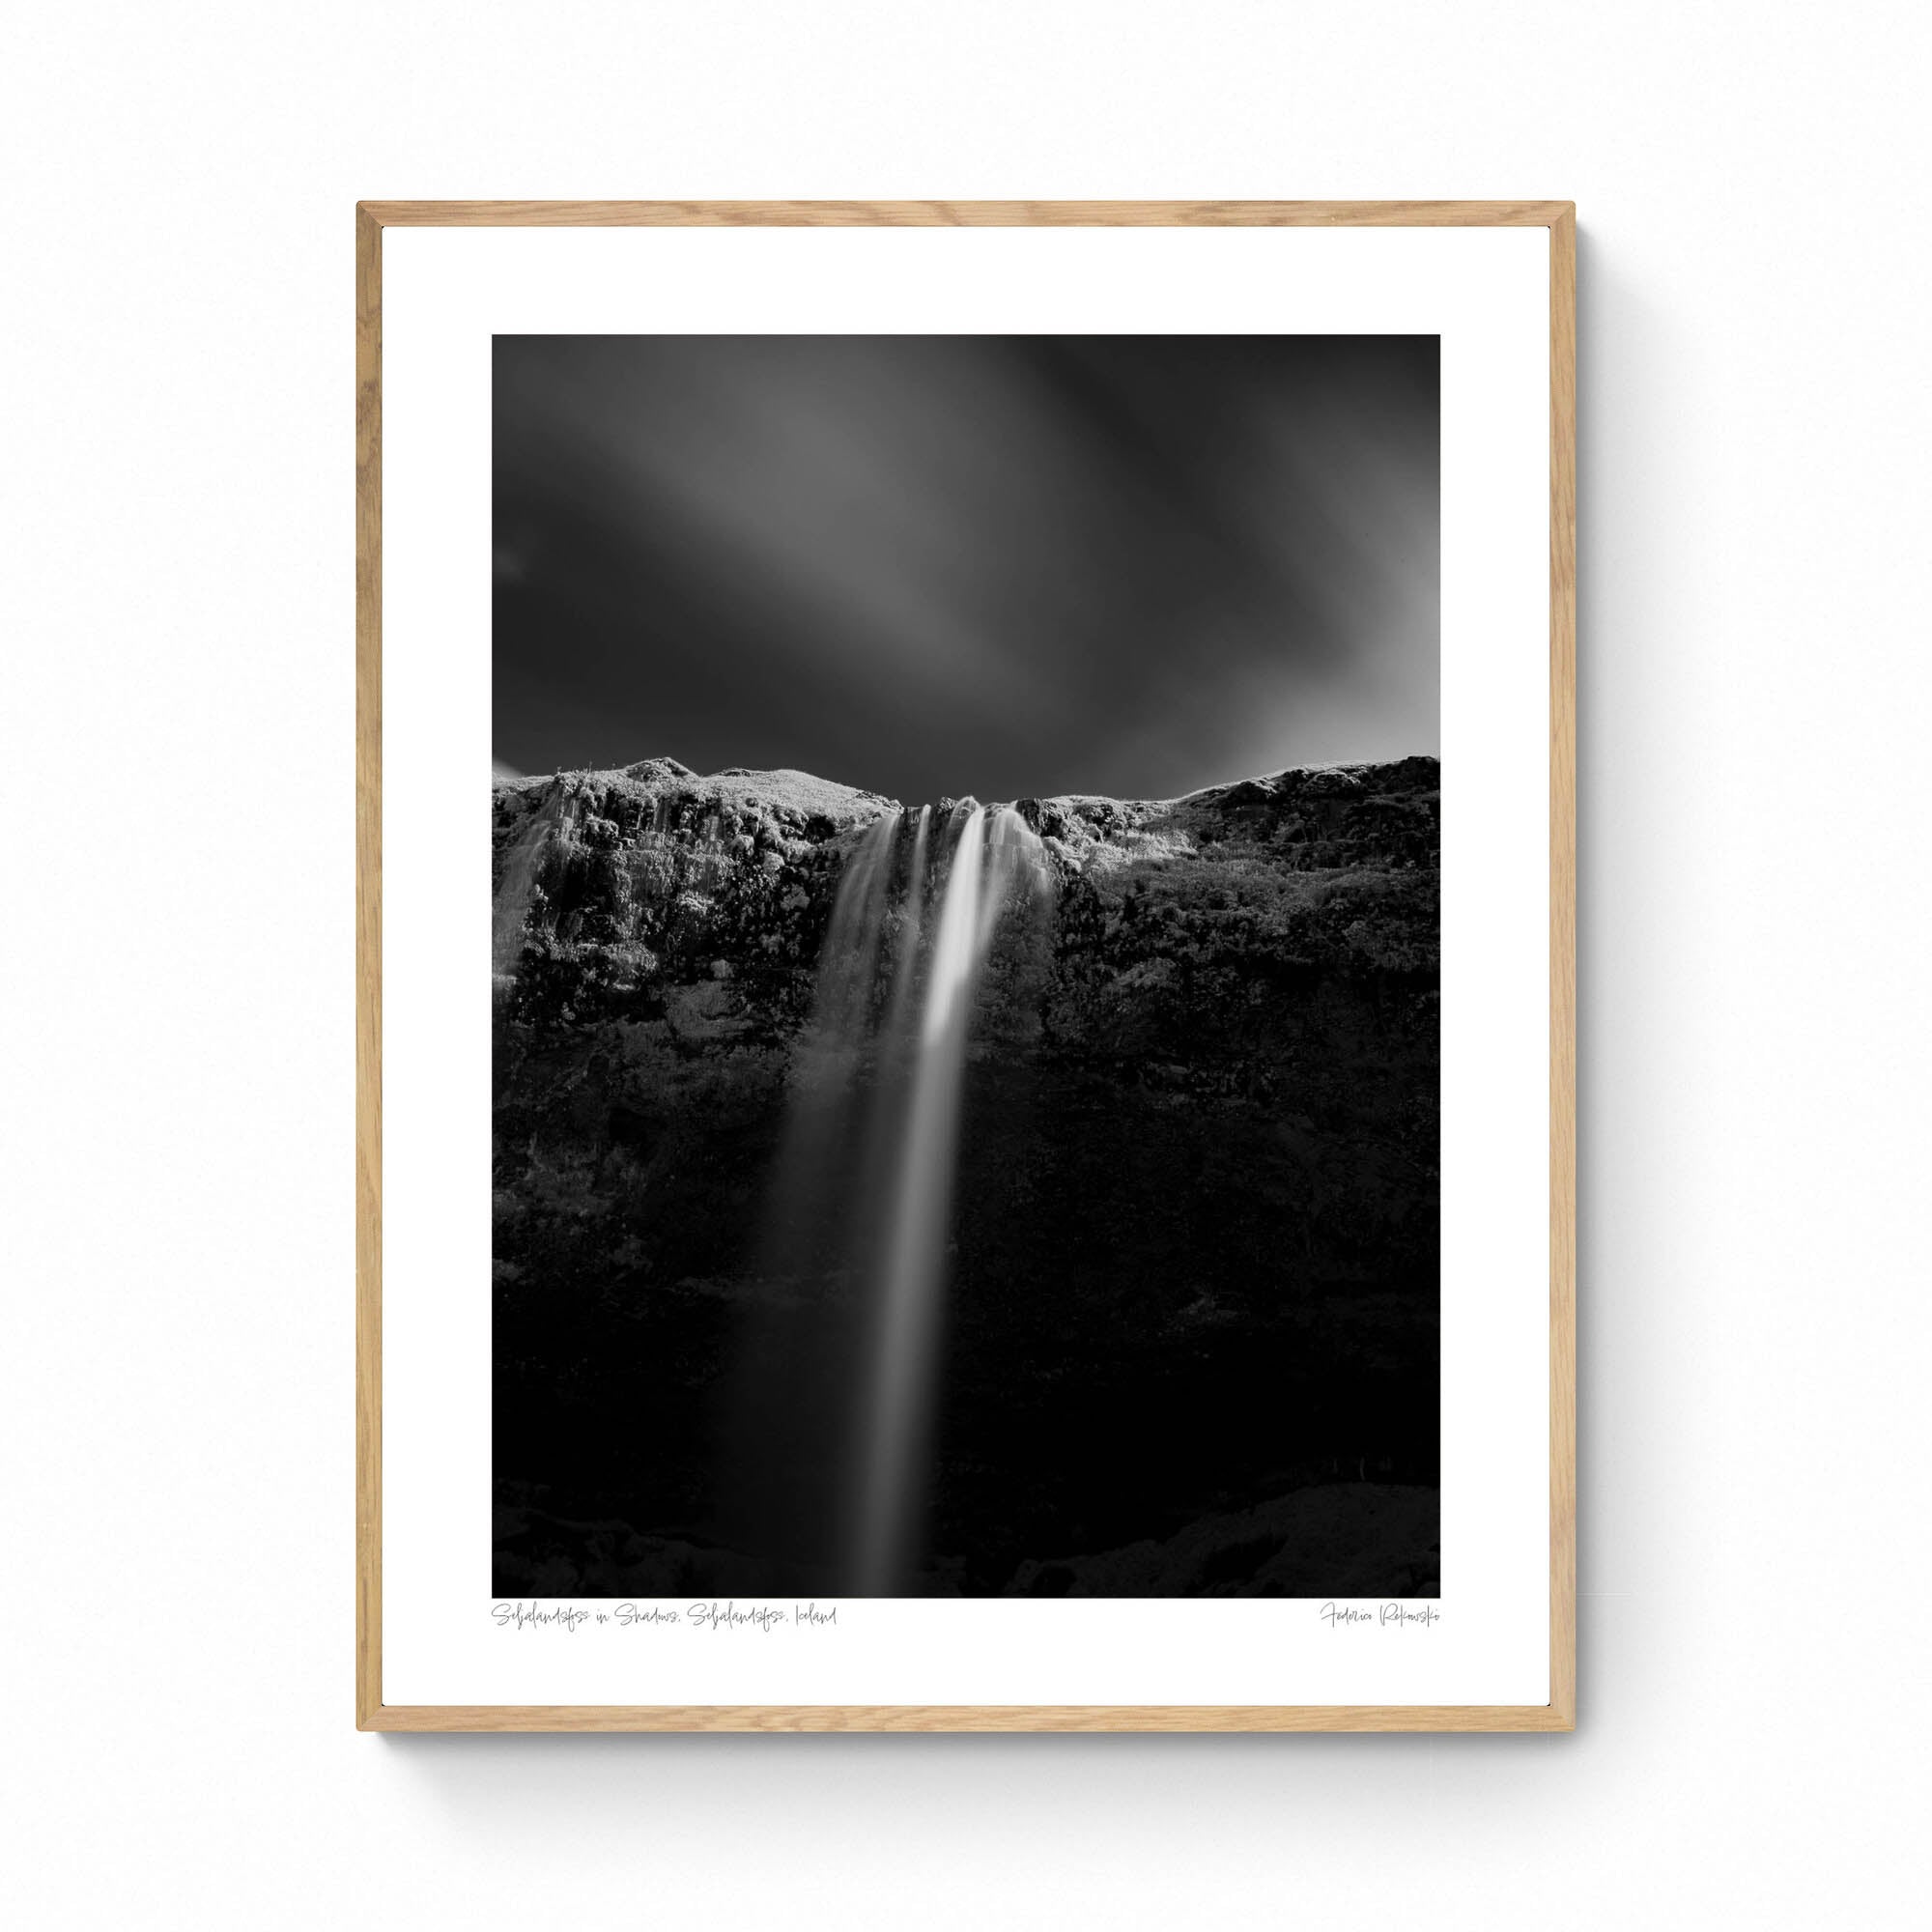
(965, 948)
(1190, 1189)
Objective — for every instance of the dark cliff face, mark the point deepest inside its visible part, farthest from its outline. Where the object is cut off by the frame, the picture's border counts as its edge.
(1191, 1327)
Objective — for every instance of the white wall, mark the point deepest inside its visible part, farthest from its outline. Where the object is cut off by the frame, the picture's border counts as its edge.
(176, 501)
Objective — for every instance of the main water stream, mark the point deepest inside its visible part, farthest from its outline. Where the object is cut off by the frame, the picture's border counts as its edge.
(875, 1103)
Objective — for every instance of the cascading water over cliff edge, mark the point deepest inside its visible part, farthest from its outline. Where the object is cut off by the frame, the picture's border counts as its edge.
(912, 1032)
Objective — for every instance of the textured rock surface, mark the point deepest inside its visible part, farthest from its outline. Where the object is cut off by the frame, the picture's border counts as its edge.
(1329, 1540)
(1196, 1240)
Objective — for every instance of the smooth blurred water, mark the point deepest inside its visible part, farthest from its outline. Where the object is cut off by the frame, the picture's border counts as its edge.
(916, 1224)
(838, 1391)
(908, 1303)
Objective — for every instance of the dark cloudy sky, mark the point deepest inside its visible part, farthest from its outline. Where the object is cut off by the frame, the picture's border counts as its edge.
(1005, 565)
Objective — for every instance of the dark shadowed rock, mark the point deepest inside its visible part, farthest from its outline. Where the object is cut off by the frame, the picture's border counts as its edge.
(1195, 1253)
(1328, 1540)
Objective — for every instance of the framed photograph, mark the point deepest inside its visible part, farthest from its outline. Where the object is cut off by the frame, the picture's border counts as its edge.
(1012, 1167)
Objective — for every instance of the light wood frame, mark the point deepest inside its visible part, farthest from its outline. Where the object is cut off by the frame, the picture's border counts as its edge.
(1559, 217)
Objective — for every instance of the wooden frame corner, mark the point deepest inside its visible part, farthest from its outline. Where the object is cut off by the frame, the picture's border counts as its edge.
(1559, 217)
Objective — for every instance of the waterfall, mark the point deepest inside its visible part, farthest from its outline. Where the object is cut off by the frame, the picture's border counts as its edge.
(916, 1230)
(897, 1406)
(837, 1391)
(827, 1056)
(516, 873)
(911, 925)
(849, 962)
(782, 1443)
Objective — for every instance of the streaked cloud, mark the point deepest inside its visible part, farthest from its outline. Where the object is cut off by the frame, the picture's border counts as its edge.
(941, 564)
